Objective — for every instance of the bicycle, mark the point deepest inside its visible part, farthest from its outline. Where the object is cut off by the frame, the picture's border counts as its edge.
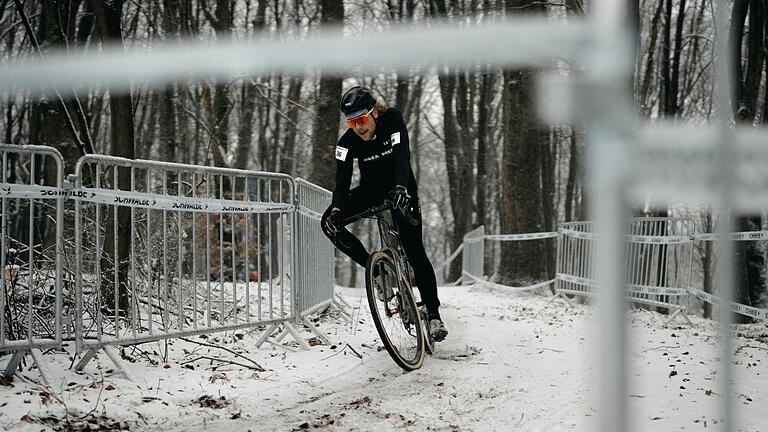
(400, 320)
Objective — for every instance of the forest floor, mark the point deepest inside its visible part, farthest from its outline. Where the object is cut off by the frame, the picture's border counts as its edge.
(511, 362)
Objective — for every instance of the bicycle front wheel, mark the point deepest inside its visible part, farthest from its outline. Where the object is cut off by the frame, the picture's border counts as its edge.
(394, 312)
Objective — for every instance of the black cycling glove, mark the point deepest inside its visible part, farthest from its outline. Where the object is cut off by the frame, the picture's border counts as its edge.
(332, 222)
(400, 198)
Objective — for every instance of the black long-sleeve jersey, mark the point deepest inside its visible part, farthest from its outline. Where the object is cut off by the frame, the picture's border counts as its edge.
(384, 161)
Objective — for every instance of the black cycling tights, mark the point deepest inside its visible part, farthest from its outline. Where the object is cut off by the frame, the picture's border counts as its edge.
(410, 235)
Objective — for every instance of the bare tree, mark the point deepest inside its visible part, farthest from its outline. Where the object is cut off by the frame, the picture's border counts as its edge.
(521, 173)
(750, 263)
(326, 130)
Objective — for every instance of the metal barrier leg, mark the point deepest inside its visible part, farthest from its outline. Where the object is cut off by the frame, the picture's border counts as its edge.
(13, 364)
(323, 338)
(341, 300)
(267, 333)
(292, 330)
(559, 295)
(86, 358)
(115, 358)
(681, 312)
(342, 305)
(553, 298)
(111, 354)
(287, 329)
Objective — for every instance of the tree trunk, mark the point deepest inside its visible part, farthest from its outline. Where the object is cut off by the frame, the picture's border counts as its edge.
(458, 169)
(674, 85)
(570, 185)
(666, 48)
(521, 208)
(108, 16)
(146, 126)
(222, 24)
(748, 257)
(245, 135)
(738, 17)
(483, 114)
(548, 164)
(289, 150)
(522, 263)
(277, 127)
(167, 104)
(459, 162)
(755, 60)
(765, 45)
(642, 96)
(325, 133)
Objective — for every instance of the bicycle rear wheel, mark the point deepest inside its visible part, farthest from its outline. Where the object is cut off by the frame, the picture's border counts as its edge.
(394, 312)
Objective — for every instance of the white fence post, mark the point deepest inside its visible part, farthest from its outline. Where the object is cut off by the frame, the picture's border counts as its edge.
(473, 256)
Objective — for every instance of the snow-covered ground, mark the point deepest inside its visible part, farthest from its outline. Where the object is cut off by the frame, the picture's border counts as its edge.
(511, 362)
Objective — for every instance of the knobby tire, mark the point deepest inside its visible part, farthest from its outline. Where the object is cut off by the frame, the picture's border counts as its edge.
(408, 364)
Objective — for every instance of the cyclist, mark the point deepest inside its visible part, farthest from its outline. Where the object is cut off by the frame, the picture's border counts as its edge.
(378, 138)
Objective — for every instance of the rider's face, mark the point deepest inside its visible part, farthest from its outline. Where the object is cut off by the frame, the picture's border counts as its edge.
(366, 128)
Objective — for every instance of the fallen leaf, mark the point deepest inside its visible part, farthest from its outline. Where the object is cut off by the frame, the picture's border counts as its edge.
(208, 401)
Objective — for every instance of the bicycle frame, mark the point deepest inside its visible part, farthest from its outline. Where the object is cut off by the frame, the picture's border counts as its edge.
(389, 234)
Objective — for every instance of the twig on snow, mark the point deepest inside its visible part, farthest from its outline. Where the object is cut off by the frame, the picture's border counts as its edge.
(258, 366)
(221, 360)
(98, 398)
(346, 345)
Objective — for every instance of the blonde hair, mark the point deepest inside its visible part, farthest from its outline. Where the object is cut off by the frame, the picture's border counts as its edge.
(381, 107)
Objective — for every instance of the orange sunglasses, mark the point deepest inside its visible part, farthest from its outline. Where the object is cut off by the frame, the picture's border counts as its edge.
(359, 120)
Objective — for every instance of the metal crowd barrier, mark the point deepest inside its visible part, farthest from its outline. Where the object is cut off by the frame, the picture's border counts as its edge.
(717, 274)
(659, 261)
(315, 257)
(31, 231)
(197, 249)
(160, 250)
(575, 255)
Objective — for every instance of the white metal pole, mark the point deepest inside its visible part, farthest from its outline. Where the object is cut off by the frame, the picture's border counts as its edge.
(609, 159)
(724, 204)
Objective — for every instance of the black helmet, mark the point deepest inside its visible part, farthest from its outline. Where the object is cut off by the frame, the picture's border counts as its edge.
(356, 101)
